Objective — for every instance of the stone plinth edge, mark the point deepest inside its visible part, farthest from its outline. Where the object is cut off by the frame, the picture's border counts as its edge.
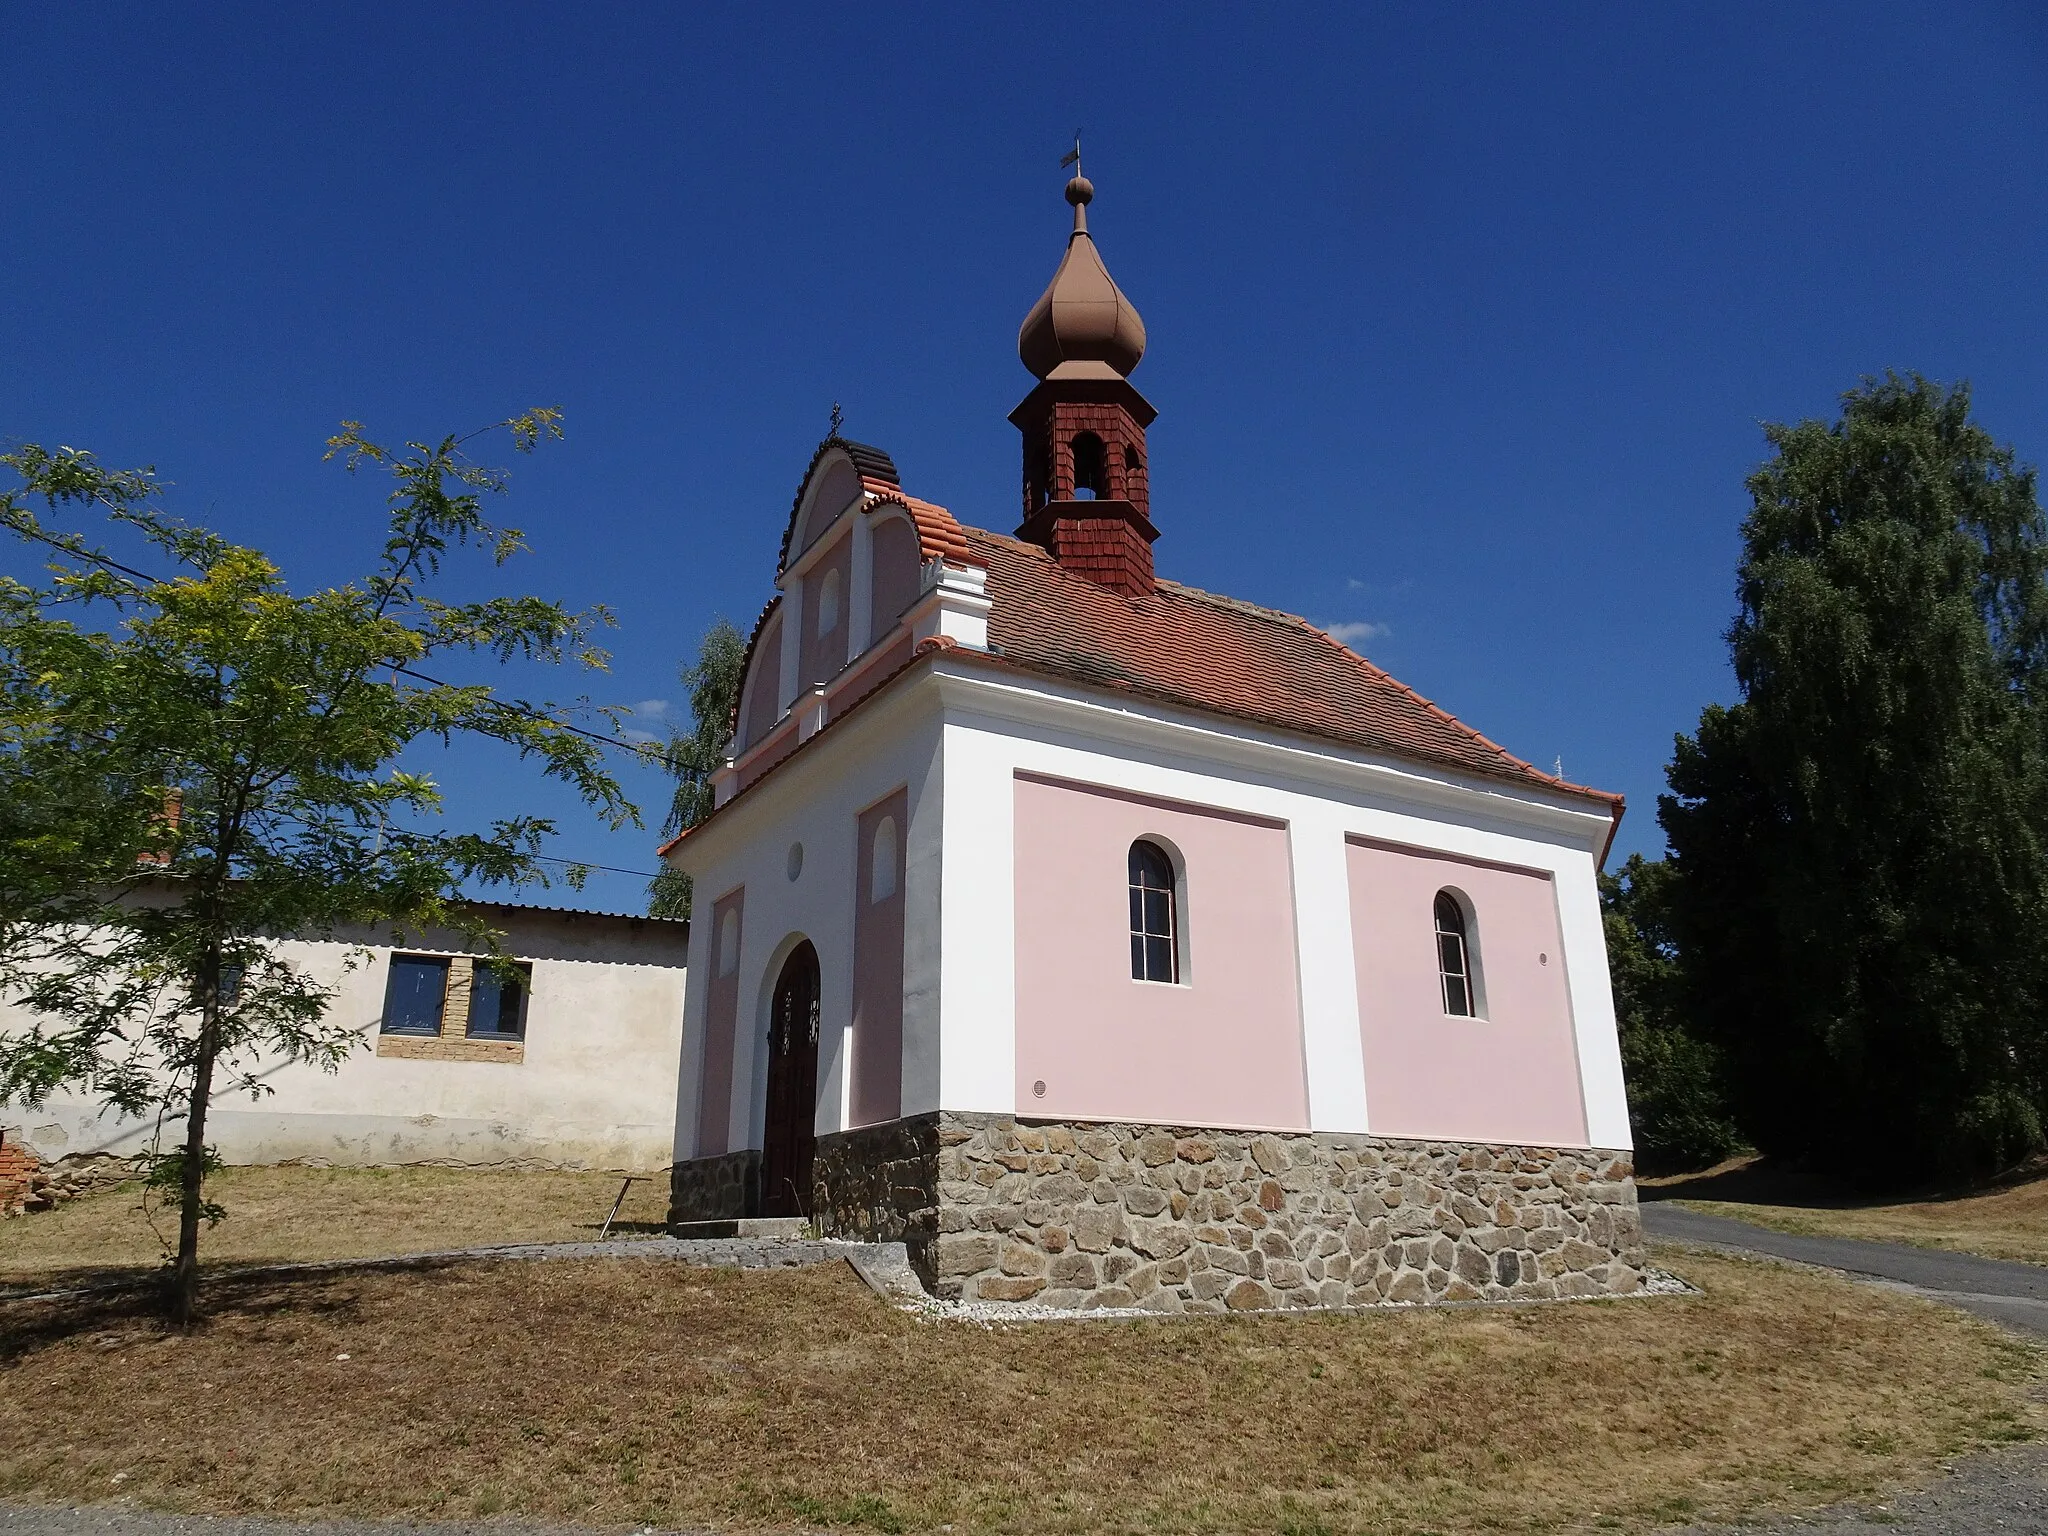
(1180, 1219)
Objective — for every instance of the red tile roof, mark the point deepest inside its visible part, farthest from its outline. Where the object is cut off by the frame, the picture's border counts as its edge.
(939, 535)
(1183, 646)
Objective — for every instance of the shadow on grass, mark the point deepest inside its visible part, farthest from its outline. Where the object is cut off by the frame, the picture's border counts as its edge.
(132, 1311)
(1764, 1180)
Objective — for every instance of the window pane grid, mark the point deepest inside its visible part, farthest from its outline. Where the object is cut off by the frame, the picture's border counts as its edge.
(1155, 947)
(1453, 959)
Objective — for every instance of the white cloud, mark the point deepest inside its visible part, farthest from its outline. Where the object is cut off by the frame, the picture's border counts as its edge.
(651, 710)
(1354, 584)
(1357, 633)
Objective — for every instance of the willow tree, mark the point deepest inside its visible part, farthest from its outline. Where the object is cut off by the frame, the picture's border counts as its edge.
(197, 761)
(1859, 896)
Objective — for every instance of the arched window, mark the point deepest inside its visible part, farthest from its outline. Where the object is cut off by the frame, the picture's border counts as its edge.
(882, 863)
(1155, 920)
(828, 603)
(1454, 957)
(1091, 468)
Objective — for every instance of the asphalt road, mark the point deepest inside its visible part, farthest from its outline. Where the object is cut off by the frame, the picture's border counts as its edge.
(2001, 1292)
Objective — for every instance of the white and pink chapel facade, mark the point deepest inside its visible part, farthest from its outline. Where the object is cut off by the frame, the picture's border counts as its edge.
(1114, 943)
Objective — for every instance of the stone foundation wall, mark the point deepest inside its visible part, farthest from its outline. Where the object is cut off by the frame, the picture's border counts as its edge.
(716, 1188)
(1179, 1220)
(880, 1184)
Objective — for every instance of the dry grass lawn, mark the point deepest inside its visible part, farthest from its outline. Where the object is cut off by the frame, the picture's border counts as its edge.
(2008, 1221)
(281, 1214)
(624, 1389)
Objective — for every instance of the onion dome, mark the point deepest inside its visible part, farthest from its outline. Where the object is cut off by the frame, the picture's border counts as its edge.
(1082, 327)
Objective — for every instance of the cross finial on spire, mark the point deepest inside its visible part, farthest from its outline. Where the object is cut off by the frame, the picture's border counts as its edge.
(1073, 156)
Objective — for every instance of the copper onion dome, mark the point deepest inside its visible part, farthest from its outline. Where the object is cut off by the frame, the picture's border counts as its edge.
(1082, 327)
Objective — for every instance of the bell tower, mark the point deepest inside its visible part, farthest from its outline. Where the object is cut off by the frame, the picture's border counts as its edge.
(1086, 499)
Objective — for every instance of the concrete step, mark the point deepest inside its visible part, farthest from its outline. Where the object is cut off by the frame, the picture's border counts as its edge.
(745, 1226)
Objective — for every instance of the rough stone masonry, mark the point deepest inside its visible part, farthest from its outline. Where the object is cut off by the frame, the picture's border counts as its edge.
(1096, 1215)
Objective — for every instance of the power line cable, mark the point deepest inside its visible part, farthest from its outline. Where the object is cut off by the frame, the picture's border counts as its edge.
(646, 753)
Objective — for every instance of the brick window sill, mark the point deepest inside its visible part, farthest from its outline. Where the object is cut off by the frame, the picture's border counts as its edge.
(451, 1048)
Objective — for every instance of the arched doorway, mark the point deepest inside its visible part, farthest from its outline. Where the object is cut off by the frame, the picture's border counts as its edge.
(790, 1127)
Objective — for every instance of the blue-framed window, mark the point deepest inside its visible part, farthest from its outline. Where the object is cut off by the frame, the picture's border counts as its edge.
(414, 995)
(497, 1005)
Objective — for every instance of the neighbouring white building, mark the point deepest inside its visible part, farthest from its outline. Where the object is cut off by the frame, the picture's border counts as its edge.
(1116, 943)
(577, 1072)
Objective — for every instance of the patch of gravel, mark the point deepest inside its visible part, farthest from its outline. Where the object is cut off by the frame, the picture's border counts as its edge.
(715, 1252)
(1661, 1282)
(885, 1267)
(987, 1314)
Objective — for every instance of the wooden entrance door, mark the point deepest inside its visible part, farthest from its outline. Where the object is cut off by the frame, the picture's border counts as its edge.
(790, 1143)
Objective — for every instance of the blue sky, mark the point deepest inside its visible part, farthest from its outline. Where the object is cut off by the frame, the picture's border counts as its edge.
(1462, 321)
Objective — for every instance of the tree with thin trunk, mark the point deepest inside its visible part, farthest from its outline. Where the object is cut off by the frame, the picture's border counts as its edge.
(694, 755)
(197, 762)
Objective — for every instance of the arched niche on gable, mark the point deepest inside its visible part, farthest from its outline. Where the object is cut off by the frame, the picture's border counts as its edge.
(831, 485)
(760, 704)
(898, 563)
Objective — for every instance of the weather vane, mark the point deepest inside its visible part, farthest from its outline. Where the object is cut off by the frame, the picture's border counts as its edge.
(1073, 156)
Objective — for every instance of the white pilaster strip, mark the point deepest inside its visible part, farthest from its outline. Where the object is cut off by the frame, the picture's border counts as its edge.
(978, 926)
(1592, 993)
(1332, 1052)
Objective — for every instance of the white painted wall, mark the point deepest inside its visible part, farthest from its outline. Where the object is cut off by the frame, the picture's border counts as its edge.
(815, 799)
(997, 722)
(957, 733)
(596, 1088)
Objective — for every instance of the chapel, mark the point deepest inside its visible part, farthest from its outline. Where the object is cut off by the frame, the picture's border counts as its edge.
(1113, 943)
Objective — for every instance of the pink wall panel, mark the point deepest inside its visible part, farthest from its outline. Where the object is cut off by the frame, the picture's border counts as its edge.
(834, 494)
(721, 1023)
(824, 655)
(878, 964)
(1223, 1048)
(764, 683)
(1512, 1076)
(896, 570)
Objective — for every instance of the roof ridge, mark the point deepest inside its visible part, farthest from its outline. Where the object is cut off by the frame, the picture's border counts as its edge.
(1199, 594)
(1450, 719)
(1505, 760)
(1427, 703)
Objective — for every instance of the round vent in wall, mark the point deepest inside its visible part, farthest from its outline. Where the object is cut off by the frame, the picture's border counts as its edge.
(1038, 1089)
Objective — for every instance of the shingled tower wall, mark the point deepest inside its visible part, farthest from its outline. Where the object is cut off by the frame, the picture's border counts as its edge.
(1087, 496)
